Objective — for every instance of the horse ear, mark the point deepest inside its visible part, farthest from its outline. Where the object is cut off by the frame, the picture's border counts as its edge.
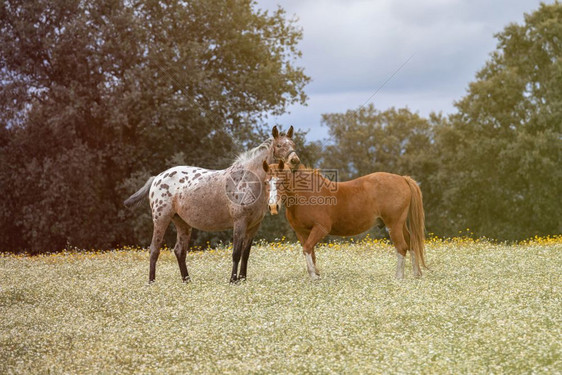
(265, 166)
(290, 132)
(275, 132)
(281, 165)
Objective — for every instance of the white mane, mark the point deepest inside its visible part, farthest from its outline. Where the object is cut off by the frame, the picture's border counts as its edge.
(252, 153)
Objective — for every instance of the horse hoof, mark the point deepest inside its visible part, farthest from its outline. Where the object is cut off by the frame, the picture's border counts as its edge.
(187, 280)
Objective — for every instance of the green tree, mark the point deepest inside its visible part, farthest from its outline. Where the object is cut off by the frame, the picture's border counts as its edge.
(96, 96)
(500, 154)
(366, 140)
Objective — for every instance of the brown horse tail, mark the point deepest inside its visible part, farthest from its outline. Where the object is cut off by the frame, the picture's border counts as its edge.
(135, 199)
(416, 223)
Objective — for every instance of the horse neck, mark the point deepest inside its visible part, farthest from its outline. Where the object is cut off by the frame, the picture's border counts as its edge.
(255, 164)
(326, 182)
(308, 184)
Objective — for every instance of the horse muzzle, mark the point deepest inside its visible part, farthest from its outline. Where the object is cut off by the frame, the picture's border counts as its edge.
(273, 208)
(293, 160)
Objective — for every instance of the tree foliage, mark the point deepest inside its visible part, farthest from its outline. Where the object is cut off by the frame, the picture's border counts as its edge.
(494, 166)
(501, 152)
(367, 140)
(97, 95)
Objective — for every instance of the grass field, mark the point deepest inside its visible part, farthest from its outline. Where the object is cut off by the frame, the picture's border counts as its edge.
(483, 308)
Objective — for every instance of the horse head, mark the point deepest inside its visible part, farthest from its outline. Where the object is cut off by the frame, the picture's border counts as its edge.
(276, 181)
(284, 148)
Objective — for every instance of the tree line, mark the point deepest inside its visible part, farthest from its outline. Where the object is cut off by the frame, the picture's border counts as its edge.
(97, 96)
(493, 167)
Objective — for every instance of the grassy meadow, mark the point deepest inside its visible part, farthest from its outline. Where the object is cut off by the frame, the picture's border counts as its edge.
(483, 308)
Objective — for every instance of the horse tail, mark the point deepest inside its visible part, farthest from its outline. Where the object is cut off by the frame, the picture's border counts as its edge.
(416, 223)
(135, 199)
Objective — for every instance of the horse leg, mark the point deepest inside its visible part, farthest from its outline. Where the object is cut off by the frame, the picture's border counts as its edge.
(160, 227)
(239, 236)
(246, 252)
(314, 261)
(397, 237)
(302, 239)
(415, 266)
(316, 234)
(245, 257)
(182, 243)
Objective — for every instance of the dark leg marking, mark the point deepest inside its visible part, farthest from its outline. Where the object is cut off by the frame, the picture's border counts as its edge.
(182, 244)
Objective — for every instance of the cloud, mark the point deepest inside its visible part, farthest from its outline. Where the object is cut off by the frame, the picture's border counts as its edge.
(350, 48)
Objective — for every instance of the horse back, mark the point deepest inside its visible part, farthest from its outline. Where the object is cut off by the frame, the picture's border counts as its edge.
(360, 202)
(389, 192)
(197, 195)
(387, 183)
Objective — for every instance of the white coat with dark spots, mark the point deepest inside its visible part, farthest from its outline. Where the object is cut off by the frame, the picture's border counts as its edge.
(214, 200)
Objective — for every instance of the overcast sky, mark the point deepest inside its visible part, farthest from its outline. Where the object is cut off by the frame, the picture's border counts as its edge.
(351, 47)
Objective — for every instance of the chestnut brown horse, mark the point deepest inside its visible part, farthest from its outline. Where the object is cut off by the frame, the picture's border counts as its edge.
(317, 206)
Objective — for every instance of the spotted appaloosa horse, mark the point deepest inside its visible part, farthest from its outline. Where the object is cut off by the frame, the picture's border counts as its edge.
(317, 206)
(214, 200)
